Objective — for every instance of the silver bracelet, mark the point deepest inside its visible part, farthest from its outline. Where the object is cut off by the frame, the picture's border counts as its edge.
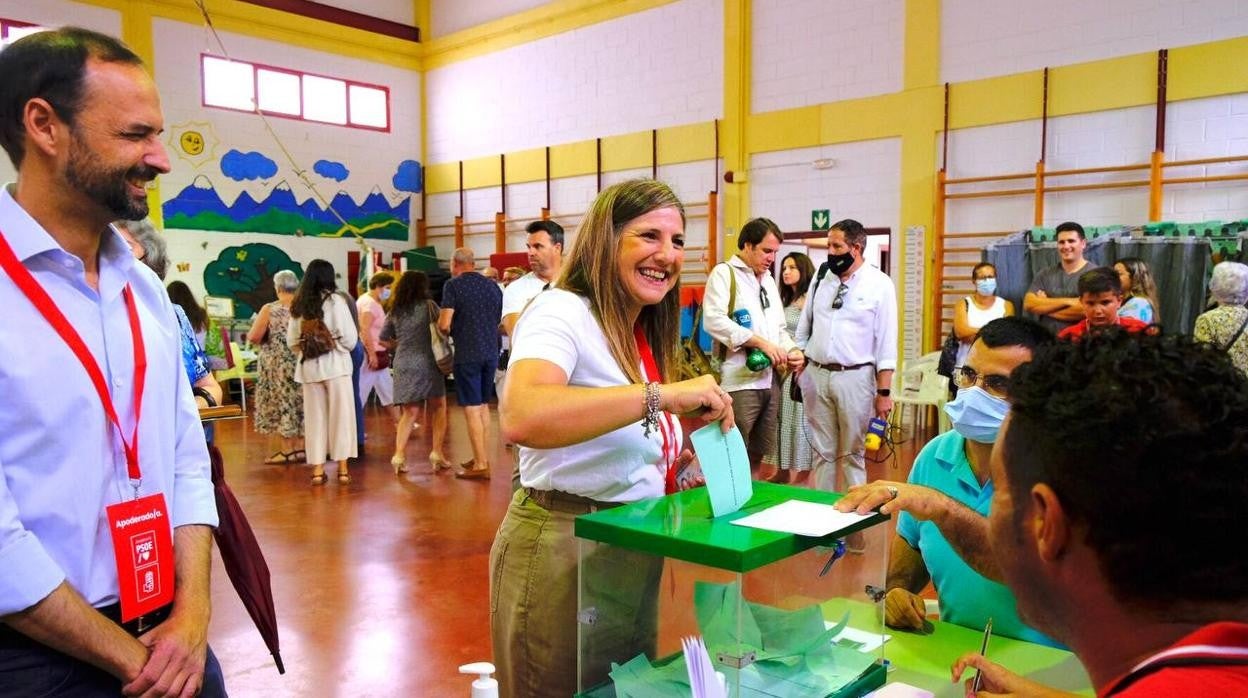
(650, 420)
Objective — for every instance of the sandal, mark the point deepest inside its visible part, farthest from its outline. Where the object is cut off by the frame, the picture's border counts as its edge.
(344, 478)
(438, 462)
(399, 463)
(278, 458)
(296, 456)
(318, 479)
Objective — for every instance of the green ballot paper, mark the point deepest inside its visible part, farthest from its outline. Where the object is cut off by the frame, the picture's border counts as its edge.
(726, 467)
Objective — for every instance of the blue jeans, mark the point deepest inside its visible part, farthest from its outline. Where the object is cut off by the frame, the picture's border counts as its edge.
(35, 670)
(357, 360)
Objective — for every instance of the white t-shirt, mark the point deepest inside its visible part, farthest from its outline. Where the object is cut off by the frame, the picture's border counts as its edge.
(620, 466)
(520, 292)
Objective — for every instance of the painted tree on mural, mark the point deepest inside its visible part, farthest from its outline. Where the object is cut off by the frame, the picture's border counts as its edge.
(245, 273)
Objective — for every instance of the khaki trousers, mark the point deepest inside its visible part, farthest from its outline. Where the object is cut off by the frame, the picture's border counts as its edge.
(534, 604)
(329, 420)
(838, 406)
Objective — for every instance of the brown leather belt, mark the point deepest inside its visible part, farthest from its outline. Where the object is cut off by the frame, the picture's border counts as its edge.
(554, 500)
(12, 639)
(837, 367)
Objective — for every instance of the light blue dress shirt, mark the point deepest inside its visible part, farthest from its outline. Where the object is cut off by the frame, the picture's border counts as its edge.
(61, 459)
(966, 597)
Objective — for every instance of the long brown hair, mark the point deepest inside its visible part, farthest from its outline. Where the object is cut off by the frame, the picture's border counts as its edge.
(591, 271)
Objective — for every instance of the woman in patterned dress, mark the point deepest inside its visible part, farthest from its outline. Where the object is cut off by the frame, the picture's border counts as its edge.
(417, 381)
(792, 453)
(279, 399)
(1226, 326)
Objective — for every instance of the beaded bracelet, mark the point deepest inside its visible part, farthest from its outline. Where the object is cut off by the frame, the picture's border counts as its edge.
(650, 420)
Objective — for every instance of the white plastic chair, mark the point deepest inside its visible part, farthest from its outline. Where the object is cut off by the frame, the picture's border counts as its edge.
(918, 385)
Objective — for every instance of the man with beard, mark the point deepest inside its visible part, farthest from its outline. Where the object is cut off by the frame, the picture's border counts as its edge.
(848, 331)
(100, 442)
(1118, 511)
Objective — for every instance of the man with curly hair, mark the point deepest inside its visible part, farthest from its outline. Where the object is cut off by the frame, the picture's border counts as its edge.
(1119, 505)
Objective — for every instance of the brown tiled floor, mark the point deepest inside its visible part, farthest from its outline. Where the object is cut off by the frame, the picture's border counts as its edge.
(381, 586)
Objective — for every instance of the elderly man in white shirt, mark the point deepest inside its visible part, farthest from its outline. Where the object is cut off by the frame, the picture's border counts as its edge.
(755, 394)
(848, 331)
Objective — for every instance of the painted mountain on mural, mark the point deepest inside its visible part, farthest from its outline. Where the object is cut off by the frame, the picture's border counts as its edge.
(200, 207)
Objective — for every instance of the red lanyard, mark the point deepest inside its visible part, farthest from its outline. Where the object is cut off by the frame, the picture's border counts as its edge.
(666, 428)
(47, 307)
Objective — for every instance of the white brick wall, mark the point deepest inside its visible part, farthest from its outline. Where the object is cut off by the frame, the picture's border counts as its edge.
(662, 67)
(1213, 127)
(981, 39)
(864, 184)
(55, 13)
(449, 16)
(815, 51)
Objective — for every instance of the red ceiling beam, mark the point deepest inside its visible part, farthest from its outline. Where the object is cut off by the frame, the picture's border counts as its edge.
(339, 16)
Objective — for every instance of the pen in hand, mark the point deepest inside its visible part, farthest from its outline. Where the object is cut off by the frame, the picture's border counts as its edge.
(983, 651)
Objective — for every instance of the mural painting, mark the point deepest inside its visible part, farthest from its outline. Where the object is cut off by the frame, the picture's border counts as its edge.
(245, 273)
(263, 200)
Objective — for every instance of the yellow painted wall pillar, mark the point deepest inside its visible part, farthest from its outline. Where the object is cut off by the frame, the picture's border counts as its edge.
(136, 32)
(924, 101)
(733, 146)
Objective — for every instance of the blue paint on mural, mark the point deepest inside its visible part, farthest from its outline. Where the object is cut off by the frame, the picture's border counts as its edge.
(331, 170)
(199, 207)
(408, 177)
(242, 166)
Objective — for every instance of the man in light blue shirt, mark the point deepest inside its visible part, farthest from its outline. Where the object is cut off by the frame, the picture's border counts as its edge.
(941, 527)
(81, 121)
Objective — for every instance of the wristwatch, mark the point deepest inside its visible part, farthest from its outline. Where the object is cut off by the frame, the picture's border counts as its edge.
(883, 392)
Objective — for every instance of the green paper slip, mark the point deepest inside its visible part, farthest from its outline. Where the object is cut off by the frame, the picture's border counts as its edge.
(725, 465)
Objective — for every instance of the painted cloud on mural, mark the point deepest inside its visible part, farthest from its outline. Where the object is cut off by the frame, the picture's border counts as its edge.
(331, 170)
(241, 166)
(408, 177)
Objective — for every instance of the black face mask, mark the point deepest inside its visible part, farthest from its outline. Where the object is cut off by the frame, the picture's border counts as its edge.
(840, 263)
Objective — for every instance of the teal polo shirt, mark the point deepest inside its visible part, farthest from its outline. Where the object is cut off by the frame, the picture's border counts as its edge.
(966, 597)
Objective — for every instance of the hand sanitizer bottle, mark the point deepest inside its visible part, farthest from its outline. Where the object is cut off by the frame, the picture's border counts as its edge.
(485, 686)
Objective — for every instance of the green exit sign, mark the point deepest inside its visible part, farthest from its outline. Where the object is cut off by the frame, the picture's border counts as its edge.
(820, 219)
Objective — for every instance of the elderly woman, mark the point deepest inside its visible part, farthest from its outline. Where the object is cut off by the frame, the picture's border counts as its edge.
(149, 247)
(321, 321)
(595, 355)
(279, 399)
(1224, 326)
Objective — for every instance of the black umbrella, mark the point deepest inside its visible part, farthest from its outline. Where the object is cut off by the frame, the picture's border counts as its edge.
(244, 561)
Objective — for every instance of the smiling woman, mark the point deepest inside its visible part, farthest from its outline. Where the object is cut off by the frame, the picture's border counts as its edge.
(592, 355)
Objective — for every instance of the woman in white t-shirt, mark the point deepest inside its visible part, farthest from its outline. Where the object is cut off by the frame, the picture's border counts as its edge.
(588, 402)
(978, 309)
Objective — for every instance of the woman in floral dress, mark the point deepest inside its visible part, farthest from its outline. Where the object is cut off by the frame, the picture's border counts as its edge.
(279, 398)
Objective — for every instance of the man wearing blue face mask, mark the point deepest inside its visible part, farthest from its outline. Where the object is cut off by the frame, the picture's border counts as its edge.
(944, 503)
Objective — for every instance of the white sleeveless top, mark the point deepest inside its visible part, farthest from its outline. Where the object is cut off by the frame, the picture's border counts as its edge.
(977, 318)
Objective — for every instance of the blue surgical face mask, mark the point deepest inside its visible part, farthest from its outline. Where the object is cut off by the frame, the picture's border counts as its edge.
(977, 415)
(986, 286)
(385, 294)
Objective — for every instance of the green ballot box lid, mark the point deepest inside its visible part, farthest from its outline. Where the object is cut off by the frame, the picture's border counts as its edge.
(680, 526)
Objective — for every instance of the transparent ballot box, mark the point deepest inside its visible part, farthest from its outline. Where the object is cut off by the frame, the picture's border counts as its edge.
(779, 614)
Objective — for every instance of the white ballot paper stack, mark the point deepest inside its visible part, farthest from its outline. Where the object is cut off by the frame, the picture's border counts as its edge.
(703, 680)
(802, 518)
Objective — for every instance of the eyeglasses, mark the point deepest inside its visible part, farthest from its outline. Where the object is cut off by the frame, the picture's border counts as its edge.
(763, 299)
(840, 296)
(995, 385)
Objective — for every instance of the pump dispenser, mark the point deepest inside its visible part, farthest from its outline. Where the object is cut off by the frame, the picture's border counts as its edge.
(485, 686)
